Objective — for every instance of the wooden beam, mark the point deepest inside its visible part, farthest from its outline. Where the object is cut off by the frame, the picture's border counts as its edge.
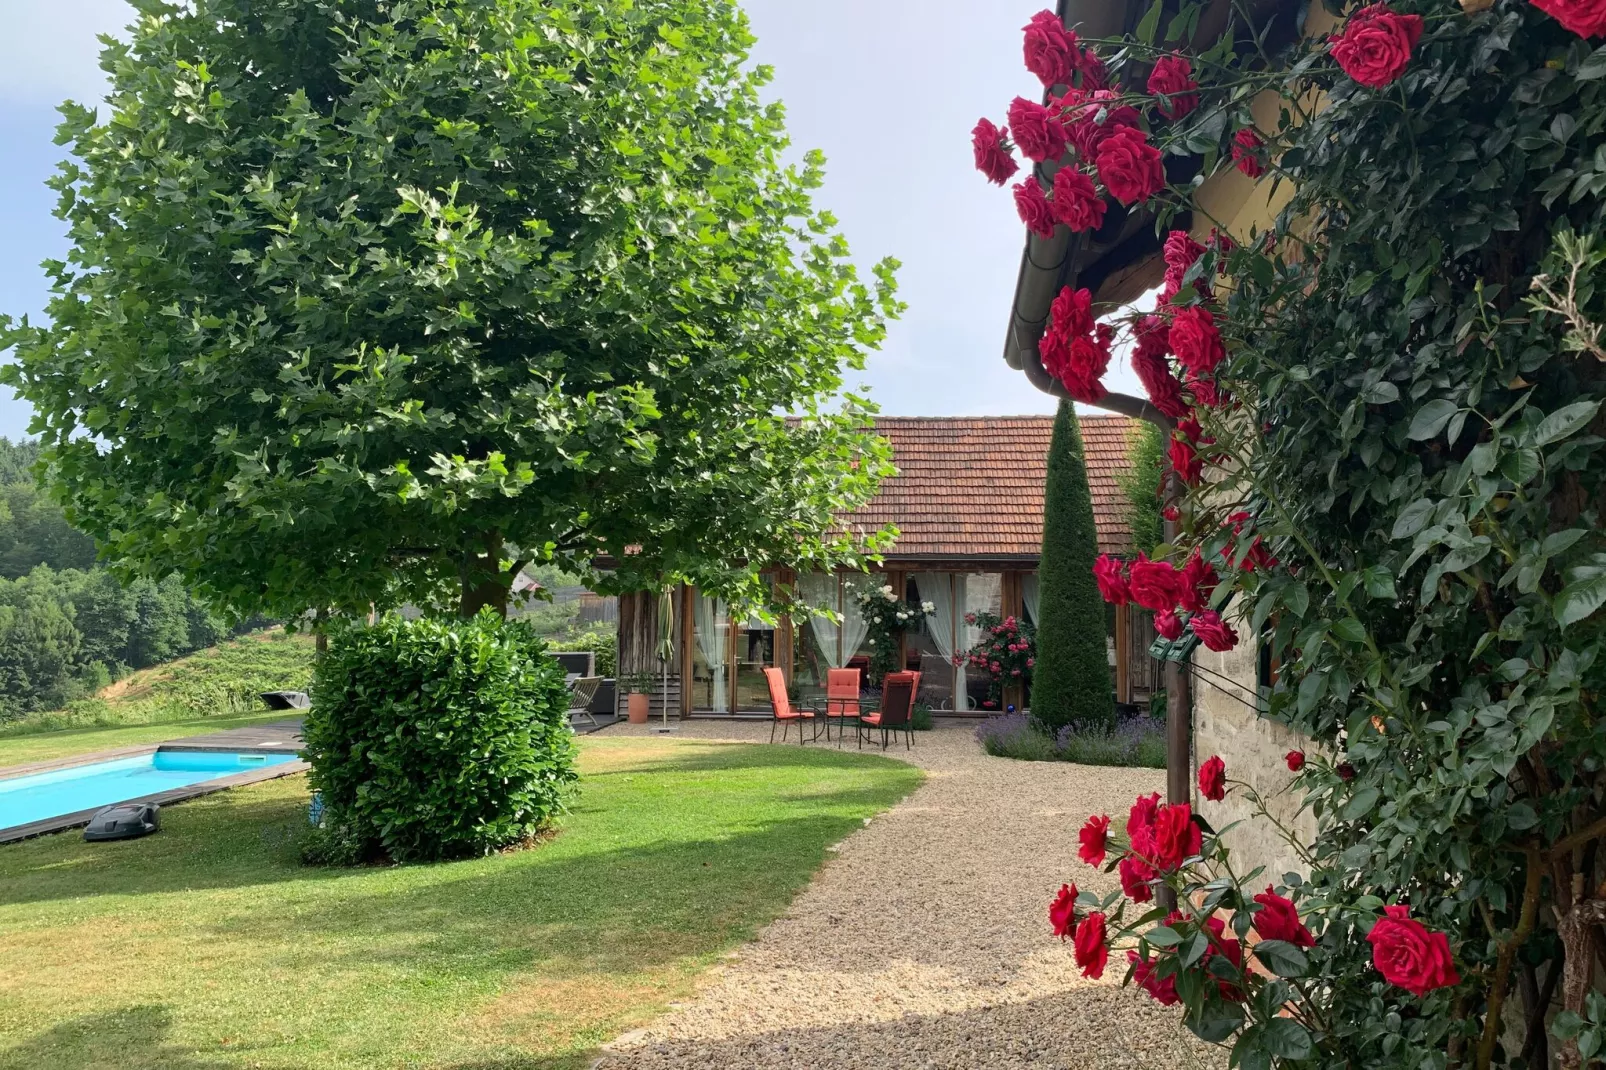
(1123, 654)
(687, 599)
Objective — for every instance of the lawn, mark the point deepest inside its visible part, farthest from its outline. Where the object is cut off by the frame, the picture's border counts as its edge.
(208, 947)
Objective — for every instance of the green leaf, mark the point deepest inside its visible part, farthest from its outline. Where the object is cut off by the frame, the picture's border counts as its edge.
(1163, 936)
(1381, 393)
(1282, 958)
(1578, 601)
(1360, 804)
(1350, 630)
(1297, 598)
(1564, 422)
(1430, 419)
(1380, 583)
(1413, 518)
(1193, 949)
(1150, 22)
(1287, 1039)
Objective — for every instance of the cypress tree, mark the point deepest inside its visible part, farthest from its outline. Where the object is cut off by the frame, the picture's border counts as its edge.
(1071, 681)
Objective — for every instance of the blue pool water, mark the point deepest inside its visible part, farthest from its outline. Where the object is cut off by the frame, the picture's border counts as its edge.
(82, 787)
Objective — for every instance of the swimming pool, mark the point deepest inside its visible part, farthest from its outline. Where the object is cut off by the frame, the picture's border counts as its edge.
(25, 799)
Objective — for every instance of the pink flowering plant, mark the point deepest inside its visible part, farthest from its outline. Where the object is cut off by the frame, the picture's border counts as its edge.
(1006, 652)
(1383, 411)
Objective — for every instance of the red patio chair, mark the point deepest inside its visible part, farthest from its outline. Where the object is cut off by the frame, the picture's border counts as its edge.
(785, 715)
(897, 709)
(841, 701)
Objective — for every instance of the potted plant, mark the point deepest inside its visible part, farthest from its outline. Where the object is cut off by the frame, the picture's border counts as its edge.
(637, 686)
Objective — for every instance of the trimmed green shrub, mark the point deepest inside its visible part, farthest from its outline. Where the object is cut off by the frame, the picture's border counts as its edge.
(437, 739)
(1071, 681)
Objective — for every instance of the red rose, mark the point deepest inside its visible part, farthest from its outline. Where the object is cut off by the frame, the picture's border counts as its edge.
(1295, 760)
(1586, 18)
(1185, 461)
(1135, 877)
(1175, 837)
(1205, 391)
(1034, 208)
(1155, 585)
(1036, 130)
(1196, 340)
(1083, 372)
(1077, 203)
(1172, 77)
(1231, 950)
(1408, 954)
(992, 159)
(1212, 631)
(1213, 779)
(1072, 312)
(1167, 624)
(1180, 253)
(1246, 154)
(1083, 111)
(1345, 771)
(1141, 818)
(1111, 576)
(1129, 166)
(1375, 47)
(1198, 582)
(1147, 978)
(1051, 49)
(1092, 948)
(1095, 836)
(1280, 921)
(1062, 911)
(1148, 360)
(1171, 513)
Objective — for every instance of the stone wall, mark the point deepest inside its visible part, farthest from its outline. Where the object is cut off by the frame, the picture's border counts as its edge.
(1254, 748)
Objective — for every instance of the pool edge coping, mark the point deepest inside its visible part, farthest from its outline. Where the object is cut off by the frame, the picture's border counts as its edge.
(60, 823)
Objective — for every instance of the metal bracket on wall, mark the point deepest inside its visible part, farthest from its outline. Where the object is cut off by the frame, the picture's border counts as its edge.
(1178, 650)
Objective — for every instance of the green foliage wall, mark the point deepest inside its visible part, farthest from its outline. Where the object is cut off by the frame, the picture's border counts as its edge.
(1072, 681)
(438, 739)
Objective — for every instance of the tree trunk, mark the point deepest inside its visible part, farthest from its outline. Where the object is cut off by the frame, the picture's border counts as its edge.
(484, 582)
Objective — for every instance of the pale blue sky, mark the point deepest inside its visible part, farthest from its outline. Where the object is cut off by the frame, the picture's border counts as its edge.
(889, 89)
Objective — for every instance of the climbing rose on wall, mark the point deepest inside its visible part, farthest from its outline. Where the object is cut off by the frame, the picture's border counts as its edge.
(1135, 878)
(1091, 117)
(1173, 838)
(1586, 18)
(1246, 154)
(1375, 45)
(1050, 48)
(1173, 77)
(1036, 130)
(1076, 202)
(1278, 920)
(992, 159)
(1213, 779)
(1167, 624)
(1295, 760)
(1410, 955)
(1199, 581)
(1034, 208)
(1092, 946)
(1185, 460)
(1095, 836)
(1212, 631)
(1129, 166)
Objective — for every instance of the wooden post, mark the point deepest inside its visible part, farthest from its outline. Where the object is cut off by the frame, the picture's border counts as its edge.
(1178, 693)
(688, 596)
(1123, 654)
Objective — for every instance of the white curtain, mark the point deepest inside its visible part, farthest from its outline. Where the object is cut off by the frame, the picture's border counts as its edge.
(946, 593)
(1031, 594)
(820, 589)
(854, 626)
(711, 623)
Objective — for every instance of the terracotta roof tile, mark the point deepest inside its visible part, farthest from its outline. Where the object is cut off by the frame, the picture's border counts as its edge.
(973, 486)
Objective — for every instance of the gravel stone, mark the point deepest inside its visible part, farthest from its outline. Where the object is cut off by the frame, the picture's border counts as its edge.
(924, 944)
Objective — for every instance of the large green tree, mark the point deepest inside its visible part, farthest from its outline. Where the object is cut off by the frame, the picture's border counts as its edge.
(1071, 682)
(373, 302)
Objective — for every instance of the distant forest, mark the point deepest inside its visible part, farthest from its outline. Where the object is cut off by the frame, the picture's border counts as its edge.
(67, 626)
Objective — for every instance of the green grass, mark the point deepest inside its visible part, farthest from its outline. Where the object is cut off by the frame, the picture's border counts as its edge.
(208, 947)
(220, 682)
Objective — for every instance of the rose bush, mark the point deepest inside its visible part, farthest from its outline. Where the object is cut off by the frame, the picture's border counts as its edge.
(1006, 652)
(1390, 415)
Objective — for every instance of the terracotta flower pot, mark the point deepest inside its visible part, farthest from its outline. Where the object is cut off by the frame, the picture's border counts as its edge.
(636, 708)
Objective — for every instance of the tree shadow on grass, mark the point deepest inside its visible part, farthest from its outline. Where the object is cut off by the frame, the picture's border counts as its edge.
(133, 1038)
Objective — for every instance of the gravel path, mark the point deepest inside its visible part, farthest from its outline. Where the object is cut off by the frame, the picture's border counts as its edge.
(925, 942)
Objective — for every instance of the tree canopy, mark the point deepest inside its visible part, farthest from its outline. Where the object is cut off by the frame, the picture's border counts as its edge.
(374, 302)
